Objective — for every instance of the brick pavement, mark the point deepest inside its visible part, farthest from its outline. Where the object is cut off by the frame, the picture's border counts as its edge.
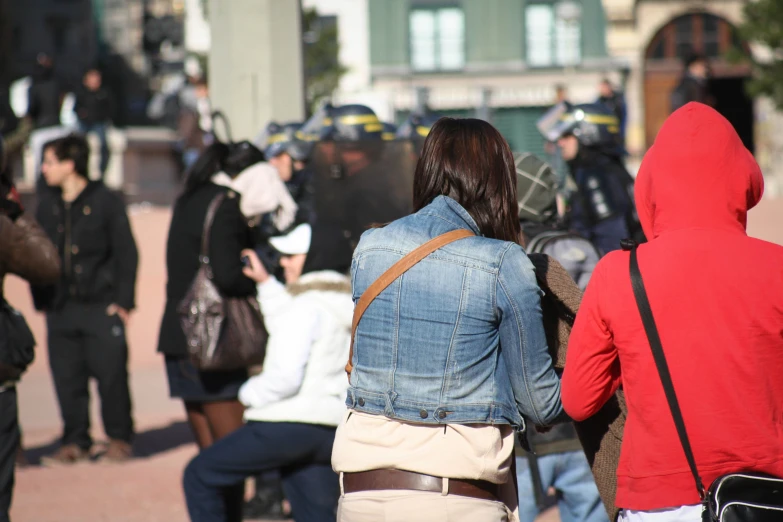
(148, 489)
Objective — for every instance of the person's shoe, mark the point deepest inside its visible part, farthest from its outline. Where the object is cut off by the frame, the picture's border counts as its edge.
(67, 455)
(118, 452)
(264, 507)
(21, 458)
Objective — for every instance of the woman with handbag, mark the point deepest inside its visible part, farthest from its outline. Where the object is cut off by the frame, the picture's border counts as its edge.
(294, 404)
(690, 325)
(210, 397)
(449, 352)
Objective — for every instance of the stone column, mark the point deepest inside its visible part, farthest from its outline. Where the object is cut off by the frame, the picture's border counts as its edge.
(255, 63)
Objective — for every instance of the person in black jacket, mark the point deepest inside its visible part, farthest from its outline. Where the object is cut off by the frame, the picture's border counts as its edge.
(26, 252)
(87, 310)
(94, 108)
(694, 85)
(614, 100)
(45, 95)
(210, 397)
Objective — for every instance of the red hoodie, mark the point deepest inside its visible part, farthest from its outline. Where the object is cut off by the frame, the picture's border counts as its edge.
(717, 298)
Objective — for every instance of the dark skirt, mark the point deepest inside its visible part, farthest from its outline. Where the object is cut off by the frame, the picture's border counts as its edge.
(191, 385)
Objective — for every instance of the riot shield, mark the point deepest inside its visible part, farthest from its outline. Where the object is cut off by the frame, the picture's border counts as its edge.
(361, 184)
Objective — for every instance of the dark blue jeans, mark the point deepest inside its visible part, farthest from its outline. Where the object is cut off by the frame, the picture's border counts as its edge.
(569, 473)
(302, 453)
(606, 234)
(100, 130)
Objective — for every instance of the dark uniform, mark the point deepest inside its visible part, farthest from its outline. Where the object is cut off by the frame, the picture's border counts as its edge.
(281, 139)
(360, 179)
(603, 209)
(99, 263)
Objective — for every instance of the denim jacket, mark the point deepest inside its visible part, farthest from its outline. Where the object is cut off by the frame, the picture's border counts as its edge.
(458, 338)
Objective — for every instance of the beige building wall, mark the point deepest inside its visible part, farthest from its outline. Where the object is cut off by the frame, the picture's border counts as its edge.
(632, 24)
(255, 63)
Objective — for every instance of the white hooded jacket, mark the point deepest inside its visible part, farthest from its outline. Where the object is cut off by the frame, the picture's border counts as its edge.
(262, 191)
(304, 378)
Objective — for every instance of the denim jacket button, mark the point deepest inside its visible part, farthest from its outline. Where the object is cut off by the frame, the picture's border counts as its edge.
(423, 414)
(442, 415)
(361, 402)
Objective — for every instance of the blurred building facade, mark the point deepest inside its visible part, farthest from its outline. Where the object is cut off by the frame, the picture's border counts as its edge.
(134, 43)
(496, 59)
(62, 29)
(653, 36)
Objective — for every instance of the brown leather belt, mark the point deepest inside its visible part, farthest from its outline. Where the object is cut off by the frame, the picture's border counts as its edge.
(384, 479)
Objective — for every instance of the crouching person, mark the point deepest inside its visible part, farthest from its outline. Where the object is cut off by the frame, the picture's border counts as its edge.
(295, 403)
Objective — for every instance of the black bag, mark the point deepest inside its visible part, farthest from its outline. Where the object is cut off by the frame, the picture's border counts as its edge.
(735, 497)
(17, 344)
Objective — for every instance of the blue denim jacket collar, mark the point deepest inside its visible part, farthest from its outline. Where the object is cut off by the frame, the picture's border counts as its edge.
(449, 210)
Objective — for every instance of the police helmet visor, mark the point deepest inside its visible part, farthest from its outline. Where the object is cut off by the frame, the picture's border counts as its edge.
(276, 144)
(357, 127)
(317, 127)
(557, 122)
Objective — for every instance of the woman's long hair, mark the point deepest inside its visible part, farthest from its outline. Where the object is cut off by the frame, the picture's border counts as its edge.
(209, 163)
(469, 161)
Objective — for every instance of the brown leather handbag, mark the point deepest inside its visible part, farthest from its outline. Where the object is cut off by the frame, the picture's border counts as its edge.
(222, 333)
(396, 270)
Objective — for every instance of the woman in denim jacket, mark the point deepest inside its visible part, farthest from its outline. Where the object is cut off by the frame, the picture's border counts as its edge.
(451, 358)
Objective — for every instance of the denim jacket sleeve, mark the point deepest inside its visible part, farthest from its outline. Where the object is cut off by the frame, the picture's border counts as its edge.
(523, 343)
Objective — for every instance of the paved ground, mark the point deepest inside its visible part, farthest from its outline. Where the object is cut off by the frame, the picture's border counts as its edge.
(148, 489)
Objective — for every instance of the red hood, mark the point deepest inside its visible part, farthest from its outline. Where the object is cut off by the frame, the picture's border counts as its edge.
(698, 174)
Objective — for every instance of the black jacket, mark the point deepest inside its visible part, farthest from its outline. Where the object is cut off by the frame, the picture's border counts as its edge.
(45, 97)
(690, 89)
(603, 185)
(94, 106)
(95, 242)
(229, 236)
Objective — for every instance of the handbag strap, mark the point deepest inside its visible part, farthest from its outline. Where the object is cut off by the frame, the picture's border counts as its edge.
(663, 368)
(391, 275)
(208, 220)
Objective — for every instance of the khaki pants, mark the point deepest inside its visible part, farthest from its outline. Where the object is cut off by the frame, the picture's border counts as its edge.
(414, 506)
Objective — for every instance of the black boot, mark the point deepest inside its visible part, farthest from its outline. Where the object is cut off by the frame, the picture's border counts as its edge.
(267, 503)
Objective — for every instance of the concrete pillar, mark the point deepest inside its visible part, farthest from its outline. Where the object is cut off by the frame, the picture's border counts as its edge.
(255, 63)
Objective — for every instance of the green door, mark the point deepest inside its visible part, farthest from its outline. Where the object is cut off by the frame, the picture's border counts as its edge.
(518, 126)
(401, 116)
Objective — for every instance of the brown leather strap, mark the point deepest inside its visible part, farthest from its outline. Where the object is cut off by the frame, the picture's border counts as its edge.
(386, 479)
(396, 270)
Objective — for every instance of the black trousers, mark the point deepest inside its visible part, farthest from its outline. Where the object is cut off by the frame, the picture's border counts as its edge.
(84, 342)
(9, 444)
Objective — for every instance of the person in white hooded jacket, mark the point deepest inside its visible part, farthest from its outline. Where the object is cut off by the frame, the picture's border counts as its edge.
(295, 404)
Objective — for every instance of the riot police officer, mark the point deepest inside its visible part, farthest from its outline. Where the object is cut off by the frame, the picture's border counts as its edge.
(588, 136)
(389, 131)
(360, 179)
(289, 156)
(417, 126)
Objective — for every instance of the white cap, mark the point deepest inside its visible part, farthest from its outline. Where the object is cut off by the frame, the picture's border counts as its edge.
(295, 242)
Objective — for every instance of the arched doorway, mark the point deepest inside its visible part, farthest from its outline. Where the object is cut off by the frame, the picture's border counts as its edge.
(710, 36)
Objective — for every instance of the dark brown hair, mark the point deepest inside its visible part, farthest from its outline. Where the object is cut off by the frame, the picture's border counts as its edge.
(469, 161)
(73, 147)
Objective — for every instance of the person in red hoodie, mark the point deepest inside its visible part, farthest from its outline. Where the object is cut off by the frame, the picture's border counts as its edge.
(717, 298)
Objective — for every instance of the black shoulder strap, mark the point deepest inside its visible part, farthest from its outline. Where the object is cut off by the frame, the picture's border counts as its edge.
(663, 368)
